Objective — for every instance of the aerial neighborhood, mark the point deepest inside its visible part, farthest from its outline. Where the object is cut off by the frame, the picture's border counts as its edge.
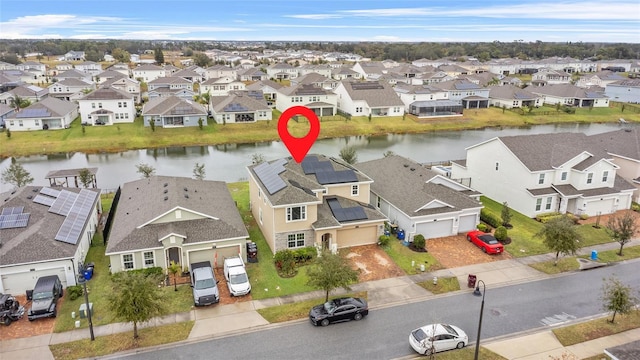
(192, 228)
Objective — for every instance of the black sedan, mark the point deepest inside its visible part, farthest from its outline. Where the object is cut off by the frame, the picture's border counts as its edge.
(336, 310)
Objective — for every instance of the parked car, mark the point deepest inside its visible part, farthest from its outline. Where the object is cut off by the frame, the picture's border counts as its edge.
(336, 310)
(485, 241)
(236, 276)
(204, 284)
(434, 338)
(44, 297)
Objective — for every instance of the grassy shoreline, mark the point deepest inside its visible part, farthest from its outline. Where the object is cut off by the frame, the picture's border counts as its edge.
(121, 137)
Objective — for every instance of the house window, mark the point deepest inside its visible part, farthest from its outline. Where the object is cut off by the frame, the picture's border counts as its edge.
(541, 179)
(605, 174)
(355, 190)
(295, 213)
(358, 109)
(589, 178)
(149, 259)
(127, 261)
(93, 105)
(37, 122)
(563, 176)
(100, 105)
(20, 123)
(124, 104)
(497, 165)
(259, 193)
(119, 104)
(378, 201)
(538, 204)
(295, 240)
(547, 205)
(260, 214)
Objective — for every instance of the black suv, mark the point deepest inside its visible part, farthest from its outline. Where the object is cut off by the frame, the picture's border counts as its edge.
(44, 297)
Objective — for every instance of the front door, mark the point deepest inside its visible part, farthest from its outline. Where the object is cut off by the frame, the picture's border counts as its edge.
(173, 254)
(326, 241)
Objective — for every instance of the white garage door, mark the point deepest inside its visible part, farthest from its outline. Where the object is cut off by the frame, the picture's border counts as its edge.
(600, 206)
(19, 283)
(467, 223)
(434, 229)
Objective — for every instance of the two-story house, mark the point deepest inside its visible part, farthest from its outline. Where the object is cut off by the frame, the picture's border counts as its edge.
(282, 71)
(171, 86)
(322, 102)
(470, 95)
(148, 72)
(220, 71)
(550, 77)
(89, 67)
(70, 89)
(368, 98)
(221, 86)
(107, 106)
(319, 202)
(561, 172)
(126, 84)
(427, 101)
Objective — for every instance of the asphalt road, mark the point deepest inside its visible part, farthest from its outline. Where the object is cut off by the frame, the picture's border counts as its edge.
(384, 333)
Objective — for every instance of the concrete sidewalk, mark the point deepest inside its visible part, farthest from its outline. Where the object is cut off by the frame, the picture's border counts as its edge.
(228, 319)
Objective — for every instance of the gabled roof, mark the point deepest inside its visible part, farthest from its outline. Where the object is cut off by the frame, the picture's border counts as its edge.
(304, 90)
(509, 92)
(172, 105)
(72, 73)
(184, 73)
(71, 82)
(566, 91)
(457, 85)
(259, 85)
(36, 242)
(107, 93)
(409, 186)
(50, 106)
(170, 80)
(240, 101)
(143, 201)
(148, 67)
(624, 142)
(373, 92)
(27, 90)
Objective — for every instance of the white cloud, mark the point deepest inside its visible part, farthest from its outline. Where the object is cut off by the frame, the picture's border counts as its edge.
(315, 16)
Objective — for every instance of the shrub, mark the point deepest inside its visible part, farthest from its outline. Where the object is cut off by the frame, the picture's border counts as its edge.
(500, 233)
(74, 292)
(543, 218)
(635, 206)
(285, 262)
(489, 218)
(418, 241)
(152, 271)
(304, 254)
(584, 217)
(483, 227)
(383, 240)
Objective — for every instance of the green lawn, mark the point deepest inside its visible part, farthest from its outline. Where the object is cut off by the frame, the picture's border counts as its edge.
(299, 309)
(523, 234)
(403, 257)
(443, 285)
(589, 330)
(135, 136)
(105, 345)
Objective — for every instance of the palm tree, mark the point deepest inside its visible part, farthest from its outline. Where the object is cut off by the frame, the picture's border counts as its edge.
(18, 103)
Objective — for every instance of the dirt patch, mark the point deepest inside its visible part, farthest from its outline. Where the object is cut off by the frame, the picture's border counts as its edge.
(373, 262)
(225, 295)
(603, 220)
(24, 328)
(456, 251)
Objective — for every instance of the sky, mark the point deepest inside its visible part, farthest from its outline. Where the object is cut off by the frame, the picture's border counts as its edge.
(324, 20)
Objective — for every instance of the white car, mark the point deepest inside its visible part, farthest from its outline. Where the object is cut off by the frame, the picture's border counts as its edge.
(236, 276)
(434, 338)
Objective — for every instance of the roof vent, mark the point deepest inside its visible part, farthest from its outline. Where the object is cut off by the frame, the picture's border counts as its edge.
(166, 191)
(186, 196)
(166, 184)
(406, 165)
(166, 198)
(185, 189)
(29, 197)
(413, 169)
(34, 190)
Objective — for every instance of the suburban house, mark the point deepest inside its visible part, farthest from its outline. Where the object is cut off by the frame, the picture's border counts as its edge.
(316, 80)
(74, 74)
(368, 98)
(163, 219)
(220, 71)
(601, 78)
(319, 202)
(369, 68)
(61, 67)
(190, 75)
(148, 72)
(89, 67)
(269, 89)
(126, 84)
(45, 231)
(72, 56)
(510, 96)
(419, 200)
(240, 107)
(345, 73)
(47, 114)
(221, 86)
(570, 95)
(624, 91)
(252, 74)
(550, 77)
(282, 71)
(32, 93)
(427, 101)
(535, 174)
(121, 68)
(470, 95)
(107, 75)
(171, 86)
(70, 89)
(37, 69)
(622, 147)
(173, 111)
(322, 69)
(107, 106)
(322, 102)
(453, 70)
(5, 112)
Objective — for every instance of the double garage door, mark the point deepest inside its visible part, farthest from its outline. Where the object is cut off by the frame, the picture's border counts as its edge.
(19, 283)
(215, 256)
(435, 229)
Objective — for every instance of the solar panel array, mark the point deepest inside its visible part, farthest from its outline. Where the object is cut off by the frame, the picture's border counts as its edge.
(12, 217)
(366, 86)
(593, 94)
(71, 228)
(325, 173)
(63, 203)
(44, 200)
(49, 191)
(520, 95)
(235, 107)
(269, 175)
(466, 86)
(346, 214)
(256, 94)
(32, 113)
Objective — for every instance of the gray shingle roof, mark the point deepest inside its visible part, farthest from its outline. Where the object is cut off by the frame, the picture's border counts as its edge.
(565, 90)
(37, 241)
(405, 184)
(239, 98)
(384, 96)
(107, 93)
(165, 105)
(625, 142)
(143, 200)
(56, 107)
(511, 92)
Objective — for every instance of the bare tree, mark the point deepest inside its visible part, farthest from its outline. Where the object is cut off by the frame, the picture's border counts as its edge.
(198, 171)
(622, 227)
(17, 175)
(145, 170)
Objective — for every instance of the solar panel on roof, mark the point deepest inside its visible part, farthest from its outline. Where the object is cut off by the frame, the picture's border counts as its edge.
(521, 96)
(366, 86)
(44, 200)
(49, 191)
(31, 113)
(336, 177)
(269, 177)
(12, 210)
(15, 220)
(466, 86)
(346, 214)
(592, 94)
(71, 229)
(63, 203)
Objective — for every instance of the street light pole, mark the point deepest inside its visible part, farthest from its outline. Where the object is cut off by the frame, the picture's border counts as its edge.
(86, 302)
(477, 292)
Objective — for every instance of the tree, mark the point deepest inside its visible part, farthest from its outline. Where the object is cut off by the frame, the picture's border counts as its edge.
(198, 171)
(559, 234)
(257, 158)
(200, 123)
(617, 297)
(136, 298)
(349, 154)
(622, 227)
(145, 170)
(202, 60)
(18, 103)
(388, 153)
(331, 271)
(85, 177)
(8, 133)
(152, 125)
(158, 56)
(505, 214)
(121, 55)
(16, 175)
(174, 269)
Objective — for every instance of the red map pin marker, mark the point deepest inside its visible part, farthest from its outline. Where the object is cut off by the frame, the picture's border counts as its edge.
(298, 147)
